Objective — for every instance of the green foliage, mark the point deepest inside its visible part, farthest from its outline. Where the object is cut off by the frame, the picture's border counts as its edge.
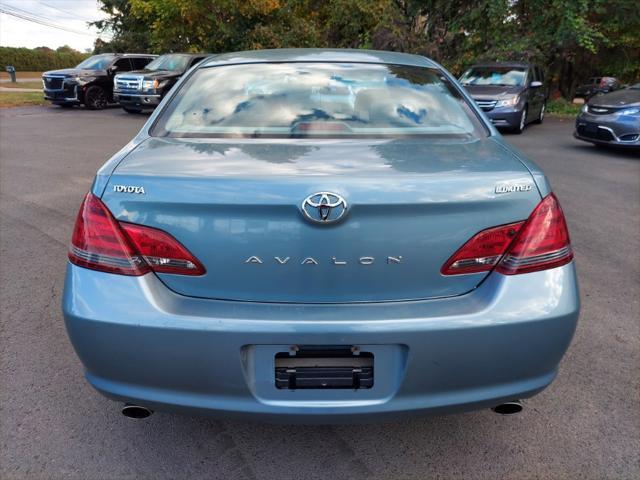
(130, 33)
(40, 59)
(572, 39)
(563, 108)
(225, 25)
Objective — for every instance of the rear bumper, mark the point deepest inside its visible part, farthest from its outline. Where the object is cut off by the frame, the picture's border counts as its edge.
(144, 344)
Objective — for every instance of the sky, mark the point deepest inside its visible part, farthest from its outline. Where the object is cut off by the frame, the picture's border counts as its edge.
(71, 15)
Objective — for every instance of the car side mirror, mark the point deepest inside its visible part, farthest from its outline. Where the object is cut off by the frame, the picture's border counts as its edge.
(112, 69)
(535, 84)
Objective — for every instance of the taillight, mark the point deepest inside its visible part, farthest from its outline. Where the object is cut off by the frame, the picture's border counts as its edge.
(162, 252)
(100, 242)
(540, 243)
(483, 251)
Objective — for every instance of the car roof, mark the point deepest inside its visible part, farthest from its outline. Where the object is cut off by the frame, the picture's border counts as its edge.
(187, 54)
(136, 55)
(111, 54)
(318, 55)
(503, 64)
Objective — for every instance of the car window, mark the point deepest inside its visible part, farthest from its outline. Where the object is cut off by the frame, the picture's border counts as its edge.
(123, 64)
(498, 75)
(317, 99)
(197, 60)
(140, 62)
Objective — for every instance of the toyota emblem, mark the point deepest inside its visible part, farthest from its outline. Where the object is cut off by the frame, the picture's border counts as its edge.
(324, 207)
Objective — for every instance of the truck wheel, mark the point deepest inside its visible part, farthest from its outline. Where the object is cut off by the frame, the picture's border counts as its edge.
(95, 98)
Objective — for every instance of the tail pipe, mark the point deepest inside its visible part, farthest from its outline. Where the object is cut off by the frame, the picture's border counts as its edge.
(136, 411)
(508, 408)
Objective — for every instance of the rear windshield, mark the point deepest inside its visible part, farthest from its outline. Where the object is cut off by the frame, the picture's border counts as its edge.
(501, 76)
(169, 62)
(317, 100)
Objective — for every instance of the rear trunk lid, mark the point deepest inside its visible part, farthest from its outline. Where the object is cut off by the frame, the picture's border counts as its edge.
(236, 205)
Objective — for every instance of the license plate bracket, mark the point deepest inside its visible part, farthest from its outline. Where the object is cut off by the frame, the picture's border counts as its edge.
(324, 367)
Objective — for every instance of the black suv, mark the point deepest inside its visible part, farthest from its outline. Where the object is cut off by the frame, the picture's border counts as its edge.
(91, 82)
(143, 89)
(512, 94)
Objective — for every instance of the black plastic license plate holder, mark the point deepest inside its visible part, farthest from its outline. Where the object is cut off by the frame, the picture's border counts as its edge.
(324, 367)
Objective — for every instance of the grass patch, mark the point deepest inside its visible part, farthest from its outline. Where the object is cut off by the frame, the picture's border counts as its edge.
(34, 75)
(563, 108)
(35, 84)
(21, 99)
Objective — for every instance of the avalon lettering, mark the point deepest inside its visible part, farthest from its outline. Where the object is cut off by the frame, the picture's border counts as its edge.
(334, 260)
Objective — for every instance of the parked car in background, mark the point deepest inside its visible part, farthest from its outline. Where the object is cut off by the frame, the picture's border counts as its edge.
(91, 82)
(597, 85)
(611, 119)
(320, 235)
(511, 94)
(143, 89)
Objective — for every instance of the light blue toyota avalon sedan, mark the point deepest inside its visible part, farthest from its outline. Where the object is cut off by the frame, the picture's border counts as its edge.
(319, 236)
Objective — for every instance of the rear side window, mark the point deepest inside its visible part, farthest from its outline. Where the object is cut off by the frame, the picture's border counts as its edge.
(317, 100)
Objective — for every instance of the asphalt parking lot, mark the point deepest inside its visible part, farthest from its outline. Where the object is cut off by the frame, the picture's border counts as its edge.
(53, 425)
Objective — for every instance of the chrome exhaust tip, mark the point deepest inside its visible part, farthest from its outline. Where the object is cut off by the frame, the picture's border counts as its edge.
(136, 411)
(508, 408)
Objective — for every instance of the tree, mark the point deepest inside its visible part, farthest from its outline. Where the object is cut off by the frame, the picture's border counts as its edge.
(572, 39)
(130, 33)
